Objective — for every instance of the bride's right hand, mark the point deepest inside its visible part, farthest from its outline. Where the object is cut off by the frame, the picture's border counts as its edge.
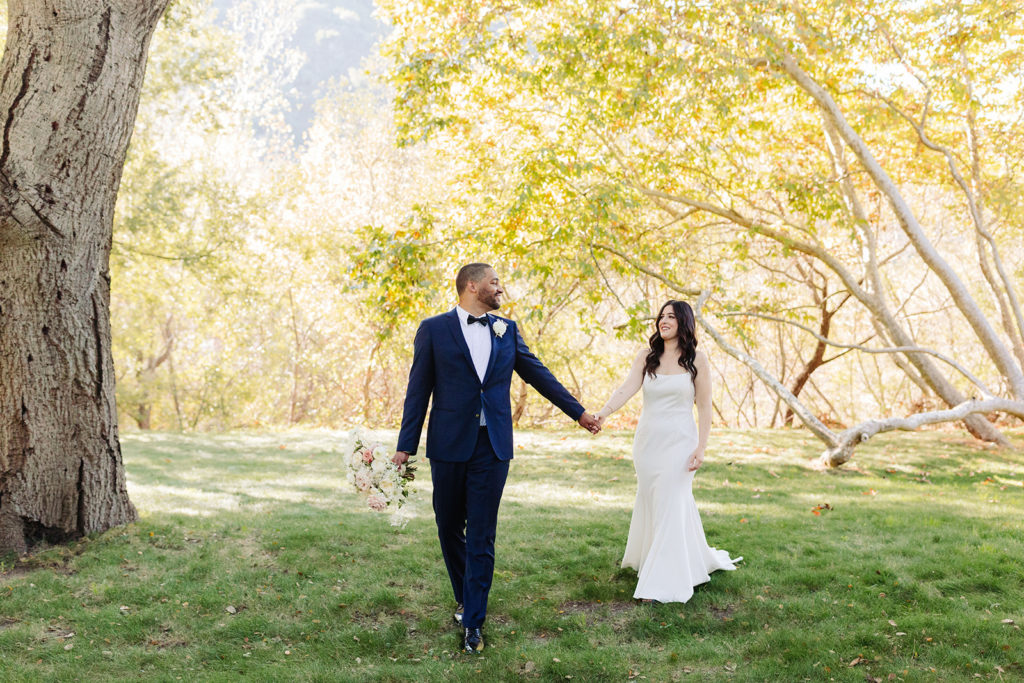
(695, 461)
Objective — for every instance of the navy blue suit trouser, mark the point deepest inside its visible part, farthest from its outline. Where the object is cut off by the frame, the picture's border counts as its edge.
(466, 499)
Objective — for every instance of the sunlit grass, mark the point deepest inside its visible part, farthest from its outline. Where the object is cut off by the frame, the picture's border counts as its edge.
(253, 559)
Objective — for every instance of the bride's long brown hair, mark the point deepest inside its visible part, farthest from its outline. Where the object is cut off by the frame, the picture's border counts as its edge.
(685, 334)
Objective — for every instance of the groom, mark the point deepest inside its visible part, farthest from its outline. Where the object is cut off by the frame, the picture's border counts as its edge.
(464, 359)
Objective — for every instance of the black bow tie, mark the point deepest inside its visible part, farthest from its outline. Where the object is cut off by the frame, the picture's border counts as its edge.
(473, 319)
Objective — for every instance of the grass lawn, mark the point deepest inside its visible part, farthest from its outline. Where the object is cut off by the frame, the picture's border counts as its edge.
(252, 559)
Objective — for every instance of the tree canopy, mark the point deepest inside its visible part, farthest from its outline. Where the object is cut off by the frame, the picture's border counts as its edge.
(752, 156)
(835, 185)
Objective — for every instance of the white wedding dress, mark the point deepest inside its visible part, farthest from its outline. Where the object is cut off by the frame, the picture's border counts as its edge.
(666, 543)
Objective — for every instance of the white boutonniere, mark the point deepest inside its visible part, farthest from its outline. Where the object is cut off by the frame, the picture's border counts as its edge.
(499, 327)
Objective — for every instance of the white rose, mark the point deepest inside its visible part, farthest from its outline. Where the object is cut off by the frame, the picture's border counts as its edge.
(379, 464)
(499, 327)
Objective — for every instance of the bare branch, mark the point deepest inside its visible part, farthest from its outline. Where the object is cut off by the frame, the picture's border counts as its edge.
(1008, 290)
(816, 426)
(986, 393)
(850, 438)
(682, 289)
(597, 263)
(993, 345)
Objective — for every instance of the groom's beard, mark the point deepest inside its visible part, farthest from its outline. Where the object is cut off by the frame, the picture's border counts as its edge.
(490, 301)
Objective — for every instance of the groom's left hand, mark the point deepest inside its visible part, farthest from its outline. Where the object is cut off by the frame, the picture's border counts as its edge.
(590, 423)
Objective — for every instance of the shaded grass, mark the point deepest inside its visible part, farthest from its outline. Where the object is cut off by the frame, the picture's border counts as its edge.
(252, 559)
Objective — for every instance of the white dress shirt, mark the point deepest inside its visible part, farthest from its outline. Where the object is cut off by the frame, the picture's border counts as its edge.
(478, 339)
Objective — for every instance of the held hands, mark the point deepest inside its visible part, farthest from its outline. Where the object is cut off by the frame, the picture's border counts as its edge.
(590, 423)
(695, 460)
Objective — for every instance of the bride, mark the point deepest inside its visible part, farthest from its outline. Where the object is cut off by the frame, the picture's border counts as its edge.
(666, 543)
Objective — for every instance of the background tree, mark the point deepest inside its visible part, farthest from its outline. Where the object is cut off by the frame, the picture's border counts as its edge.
(69, 87)
(192, 186)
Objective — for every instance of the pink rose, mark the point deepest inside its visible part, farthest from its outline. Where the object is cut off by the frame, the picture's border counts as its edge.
(376, 502)
(367, 456)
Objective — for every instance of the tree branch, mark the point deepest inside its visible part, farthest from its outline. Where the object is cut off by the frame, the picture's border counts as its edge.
(986, 393)
(1008, 291)
(993, 345)
(816, 426)
(683, 289)
(850, 438)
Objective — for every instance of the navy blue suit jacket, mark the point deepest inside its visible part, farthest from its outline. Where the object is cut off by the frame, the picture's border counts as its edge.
(442, 369)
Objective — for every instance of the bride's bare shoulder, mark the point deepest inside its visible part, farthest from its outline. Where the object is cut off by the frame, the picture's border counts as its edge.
(701, 358)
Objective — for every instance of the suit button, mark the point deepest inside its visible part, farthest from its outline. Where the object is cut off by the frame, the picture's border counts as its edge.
(477, 415)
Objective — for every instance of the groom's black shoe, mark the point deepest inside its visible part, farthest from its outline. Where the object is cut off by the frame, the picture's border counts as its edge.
(459, 609)
(474, 641)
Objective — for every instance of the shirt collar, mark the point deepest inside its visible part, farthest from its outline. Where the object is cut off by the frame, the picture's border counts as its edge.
(464, 315)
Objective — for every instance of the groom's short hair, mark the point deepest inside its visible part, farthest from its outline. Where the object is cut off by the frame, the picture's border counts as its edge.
(471, 272)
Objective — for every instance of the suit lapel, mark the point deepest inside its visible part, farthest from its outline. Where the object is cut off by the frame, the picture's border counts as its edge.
(494, 349)
(455, 327)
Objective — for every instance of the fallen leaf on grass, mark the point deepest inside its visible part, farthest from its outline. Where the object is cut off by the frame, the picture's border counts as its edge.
(892, 623)
(1007, 621)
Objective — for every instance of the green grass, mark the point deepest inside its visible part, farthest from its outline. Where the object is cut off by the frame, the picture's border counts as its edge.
(909, 576)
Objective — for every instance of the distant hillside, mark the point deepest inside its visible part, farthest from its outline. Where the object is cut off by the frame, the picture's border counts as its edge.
(336, 36)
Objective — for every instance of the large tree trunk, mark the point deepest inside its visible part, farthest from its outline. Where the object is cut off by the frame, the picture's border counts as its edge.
(69, 89)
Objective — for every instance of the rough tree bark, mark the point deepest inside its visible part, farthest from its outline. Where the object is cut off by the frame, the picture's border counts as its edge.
(70, 80)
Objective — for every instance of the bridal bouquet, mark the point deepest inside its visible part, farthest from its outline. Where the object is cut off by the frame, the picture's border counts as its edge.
(372, 473)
